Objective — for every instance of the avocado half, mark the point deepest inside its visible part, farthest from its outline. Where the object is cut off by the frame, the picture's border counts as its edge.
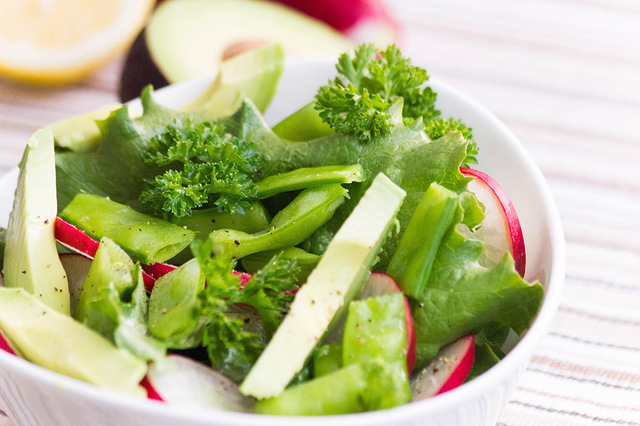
(188, 39)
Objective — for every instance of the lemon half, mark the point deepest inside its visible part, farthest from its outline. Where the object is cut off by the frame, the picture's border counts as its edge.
(62, 41)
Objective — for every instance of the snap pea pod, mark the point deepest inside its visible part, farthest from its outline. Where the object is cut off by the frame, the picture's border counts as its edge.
(411, 264)
(110, 267)
(312, 208)
(307, 177)
(303, 125)
(145, 238)
(114, 302)
(339, 392)
(205, 221)
(327, 359)
(375, 328)
(305, 260)
(375, 336)
(173, 306)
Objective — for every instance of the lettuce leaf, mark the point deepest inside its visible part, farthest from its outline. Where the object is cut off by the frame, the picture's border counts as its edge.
(463, 297)
(406, 156)
(116, 168)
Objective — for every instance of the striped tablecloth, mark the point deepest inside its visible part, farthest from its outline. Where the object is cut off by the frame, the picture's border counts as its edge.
(564, 75)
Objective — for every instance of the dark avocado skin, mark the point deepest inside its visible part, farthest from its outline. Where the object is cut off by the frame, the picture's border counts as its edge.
(138, 71)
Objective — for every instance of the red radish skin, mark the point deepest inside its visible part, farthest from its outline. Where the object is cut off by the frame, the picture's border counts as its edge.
(4, 345)
(513, 223)
(379, 284)
(74, 238)
(181, 381)
(151, 392)
(447, 371)
(354, 18)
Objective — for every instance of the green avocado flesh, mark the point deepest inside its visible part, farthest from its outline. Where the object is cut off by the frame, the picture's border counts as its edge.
(31, 259)
(189, 38)
(340, 274)
(59, 343)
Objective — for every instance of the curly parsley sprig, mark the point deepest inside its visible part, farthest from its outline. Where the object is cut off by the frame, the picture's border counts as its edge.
(358, 99)
(232, 350)
(204, 163)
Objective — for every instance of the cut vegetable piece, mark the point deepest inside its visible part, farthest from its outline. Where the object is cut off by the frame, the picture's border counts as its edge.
(156, 270)
(339, 276)
(114, 302)
(80, 133)
(375, 328)
(327, 359)
(305, 260)
(307, 177)
(31, 258)
(76, 266)
(151, 392)
(303, 125)
(253, 74)
(189, 39)
(77, 241)
(74, 238)
(500, 231)
(380, 284)
(60, 42)
(110, 267)
(173, 305)
(5, 346)
(447, 371)
(183, 382)
(411, 264)
(375, 331)
(146, 239)
(339, 392)
(59, 343)
(204, 221)
(312, 208)
(361, 20)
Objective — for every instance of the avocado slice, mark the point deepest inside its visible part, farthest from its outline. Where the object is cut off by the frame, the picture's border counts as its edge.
(253, 74)
(31, 259)
(57, 342)
(80, 133)
(319, 303)
(189, 38)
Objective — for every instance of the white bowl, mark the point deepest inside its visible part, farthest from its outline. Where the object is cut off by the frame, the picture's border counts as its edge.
(33, 395)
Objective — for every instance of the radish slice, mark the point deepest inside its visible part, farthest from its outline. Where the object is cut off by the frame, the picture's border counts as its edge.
(184, 382)
(380, 284)
(151, 392)
(5, 346)
(447, 371)
(76, 266)
(500, 231)
(157, 270)
(74, 239)
(360, 20)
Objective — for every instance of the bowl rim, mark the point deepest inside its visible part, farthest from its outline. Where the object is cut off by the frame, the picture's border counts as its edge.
(516, 359)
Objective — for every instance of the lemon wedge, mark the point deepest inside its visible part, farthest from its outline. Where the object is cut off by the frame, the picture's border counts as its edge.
(62, 41)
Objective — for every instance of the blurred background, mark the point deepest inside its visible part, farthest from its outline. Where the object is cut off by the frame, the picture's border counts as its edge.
(563, 75)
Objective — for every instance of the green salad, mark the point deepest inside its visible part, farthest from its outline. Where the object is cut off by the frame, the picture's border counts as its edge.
(316, 267)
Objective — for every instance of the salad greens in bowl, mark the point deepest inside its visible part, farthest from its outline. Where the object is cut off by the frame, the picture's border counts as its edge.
(363, 245)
